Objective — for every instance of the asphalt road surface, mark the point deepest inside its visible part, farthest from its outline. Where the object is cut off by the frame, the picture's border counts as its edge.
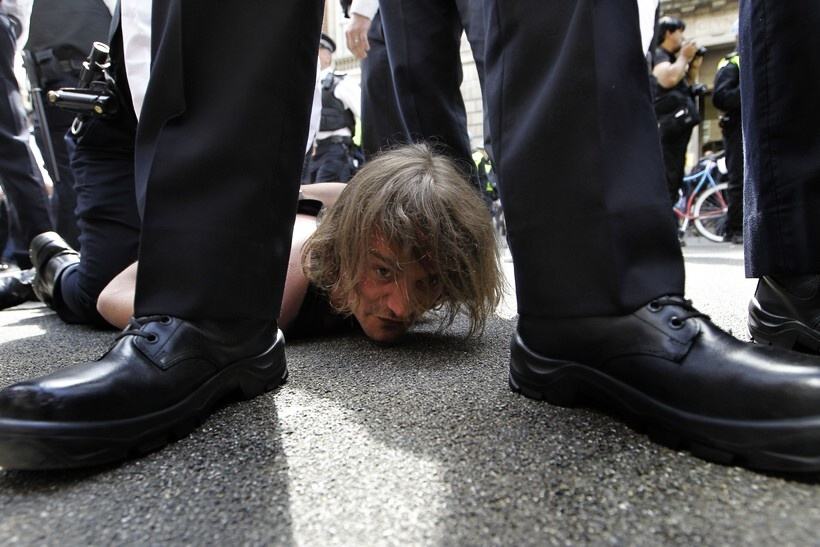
(420, 444)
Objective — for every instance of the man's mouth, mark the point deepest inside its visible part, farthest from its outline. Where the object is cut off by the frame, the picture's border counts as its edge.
(393, 324)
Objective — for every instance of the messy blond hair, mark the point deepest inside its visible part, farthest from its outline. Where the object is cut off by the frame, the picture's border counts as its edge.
(417, 201)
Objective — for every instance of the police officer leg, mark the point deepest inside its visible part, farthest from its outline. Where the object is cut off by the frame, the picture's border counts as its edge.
(733, 144)
(22, 181)
(599, 274)
(423, 43)
(102, 160)
(382, 126)
(779, 91)
(215, 241)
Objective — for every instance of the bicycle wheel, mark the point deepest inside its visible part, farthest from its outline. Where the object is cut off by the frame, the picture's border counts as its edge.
(710, 212)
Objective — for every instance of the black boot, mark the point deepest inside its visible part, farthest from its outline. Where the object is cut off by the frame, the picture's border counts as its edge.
(785, 312)
(15, 288)
(161, 378)
(666, 366)
(50, 255)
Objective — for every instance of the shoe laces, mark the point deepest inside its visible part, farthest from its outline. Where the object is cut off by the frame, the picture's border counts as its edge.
(677, 321)
(135, 324)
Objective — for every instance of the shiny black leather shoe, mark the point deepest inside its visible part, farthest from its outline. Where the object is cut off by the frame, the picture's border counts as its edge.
(161, 379)
(667, 368)
(786, 313)
(15, 288)
(51, 256)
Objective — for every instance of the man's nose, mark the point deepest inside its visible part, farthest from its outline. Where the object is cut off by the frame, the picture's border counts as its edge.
(399, 301)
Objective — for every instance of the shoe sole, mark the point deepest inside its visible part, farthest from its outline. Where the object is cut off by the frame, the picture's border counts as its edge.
(62, 445)
(783, 332)
(775, 445)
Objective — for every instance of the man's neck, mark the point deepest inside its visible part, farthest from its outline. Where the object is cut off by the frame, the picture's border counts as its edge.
(668, 49)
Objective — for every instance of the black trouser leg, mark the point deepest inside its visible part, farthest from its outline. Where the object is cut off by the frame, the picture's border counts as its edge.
(21, 178)
(575, 140)
(382, 126)
(472, 19)
(103, 162)
(423, 43)
(673, 146)
(779, 90)
(733, 144)
(332, 163)
(217, 170)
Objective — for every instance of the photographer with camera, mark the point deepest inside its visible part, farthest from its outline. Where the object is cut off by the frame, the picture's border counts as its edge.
(675, 67)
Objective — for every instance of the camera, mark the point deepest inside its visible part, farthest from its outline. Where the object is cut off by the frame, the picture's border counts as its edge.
(96, 91)
(701, 51)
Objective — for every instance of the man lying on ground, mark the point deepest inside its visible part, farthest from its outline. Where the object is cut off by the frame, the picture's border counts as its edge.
(407, 235)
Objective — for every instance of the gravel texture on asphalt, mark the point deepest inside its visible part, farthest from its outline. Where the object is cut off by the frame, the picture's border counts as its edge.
(417, 444)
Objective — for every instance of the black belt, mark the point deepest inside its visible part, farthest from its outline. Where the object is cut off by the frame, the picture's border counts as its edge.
(65, 59)
(335, 140)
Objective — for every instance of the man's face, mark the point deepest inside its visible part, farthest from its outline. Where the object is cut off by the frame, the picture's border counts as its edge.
(325, 58)
(394, 291)
(674, 40)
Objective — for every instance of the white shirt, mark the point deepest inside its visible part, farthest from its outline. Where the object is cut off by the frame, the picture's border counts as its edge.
(20, 10)
(136, 38)
(315, 110)
(110, 4)
(365, 8)
(350, 94)
(646, 14)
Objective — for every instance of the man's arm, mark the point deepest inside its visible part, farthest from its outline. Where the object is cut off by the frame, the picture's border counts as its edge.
(350, 93)
(362, 13)
(669, 74)
(726, 95)
(326, 192)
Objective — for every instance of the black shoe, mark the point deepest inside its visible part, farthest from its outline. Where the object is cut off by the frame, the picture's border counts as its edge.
(156, 384)
(736, 239)
(666, 366)
(15, 288)
(785, 312)
(50, 255)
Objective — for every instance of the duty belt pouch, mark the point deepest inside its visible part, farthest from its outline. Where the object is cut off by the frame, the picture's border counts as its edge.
(59, 66)
(676, 112)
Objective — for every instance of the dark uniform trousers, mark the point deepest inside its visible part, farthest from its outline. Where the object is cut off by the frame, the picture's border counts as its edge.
(733, 144)
(21, 178)
(217, 166)
(102, 159)
(673, 145)
(102, 170)
(381, 121)
(423, 39)
(331, 161)
(567, 87)
(779, 91)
